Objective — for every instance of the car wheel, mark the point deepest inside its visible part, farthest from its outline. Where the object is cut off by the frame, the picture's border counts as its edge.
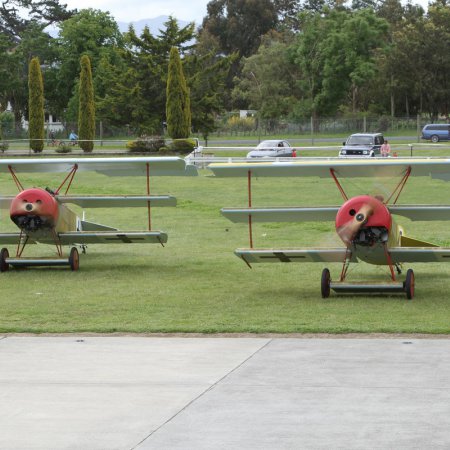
(434, 138)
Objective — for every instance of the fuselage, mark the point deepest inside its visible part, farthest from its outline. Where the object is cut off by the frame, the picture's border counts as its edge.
(39, 215)
(365, 225)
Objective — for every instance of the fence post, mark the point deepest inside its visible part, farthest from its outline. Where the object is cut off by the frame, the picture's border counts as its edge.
(365, 124)
(312, 130)
(101, 133)
(418, 128)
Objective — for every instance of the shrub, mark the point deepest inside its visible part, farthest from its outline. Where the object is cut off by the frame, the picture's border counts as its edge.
(3, 146)
(164, 149)
(146, 144)
(63, 148)
(183, 146)
(241, 124)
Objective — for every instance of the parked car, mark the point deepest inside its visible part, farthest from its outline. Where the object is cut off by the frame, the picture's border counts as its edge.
(362, 145)
(436, 132)
(273, 149)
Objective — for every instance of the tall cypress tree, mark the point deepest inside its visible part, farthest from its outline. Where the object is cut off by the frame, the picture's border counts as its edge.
(178, 105)
(35, 106)
(86, 111)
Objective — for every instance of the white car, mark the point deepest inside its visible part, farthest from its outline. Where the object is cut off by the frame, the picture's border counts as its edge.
(273, 149)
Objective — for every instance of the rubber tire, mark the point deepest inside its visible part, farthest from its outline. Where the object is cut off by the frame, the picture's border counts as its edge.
(409, 284)
(325, 283)
(4, 266)
(74, 259)
(435, 138)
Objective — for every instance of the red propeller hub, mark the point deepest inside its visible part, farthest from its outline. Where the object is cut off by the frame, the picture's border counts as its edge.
(34, 209)
(362, 213)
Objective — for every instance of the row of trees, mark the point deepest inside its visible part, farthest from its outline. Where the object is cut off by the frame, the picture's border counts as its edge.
(285, 58)
(86, 116)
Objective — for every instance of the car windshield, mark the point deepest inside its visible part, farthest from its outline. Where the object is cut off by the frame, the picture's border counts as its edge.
(359, 140)
(265, 145)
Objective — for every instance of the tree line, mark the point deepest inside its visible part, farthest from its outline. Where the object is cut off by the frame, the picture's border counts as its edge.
(287, 59)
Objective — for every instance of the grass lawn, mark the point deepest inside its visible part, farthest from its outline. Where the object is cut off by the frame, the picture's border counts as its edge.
(196, 284)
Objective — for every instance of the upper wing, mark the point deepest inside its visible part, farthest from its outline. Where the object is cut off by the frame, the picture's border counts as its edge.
(117, 201)
(383, 167)
(281, 214)
(132, 166)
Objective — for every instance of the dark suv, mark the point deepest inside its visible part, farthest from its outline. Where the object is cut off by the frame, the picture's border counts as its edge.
(362, 145)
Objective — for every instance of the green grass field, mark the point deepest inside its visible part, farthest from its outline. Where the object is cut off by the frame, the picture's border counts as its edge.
(196, 284)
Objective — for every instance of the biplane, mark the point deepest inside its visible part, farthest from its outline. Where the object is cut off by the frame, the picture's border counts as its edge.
(364, 223)
(44, 215)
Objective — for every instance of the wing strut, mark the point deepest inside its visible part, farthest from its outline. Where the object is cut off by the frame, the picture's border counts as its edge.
(250, 231)
(16, 180)
(341, 189)
(70, 175)
(400, 186)
(148, 201)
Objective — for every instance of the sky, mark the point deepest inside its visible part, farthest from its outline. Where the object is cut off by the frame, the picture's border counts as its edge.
(134, 10)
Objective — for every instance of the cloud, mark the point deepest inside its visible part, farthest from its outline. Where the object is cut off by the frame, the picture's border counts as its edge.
(133, 10)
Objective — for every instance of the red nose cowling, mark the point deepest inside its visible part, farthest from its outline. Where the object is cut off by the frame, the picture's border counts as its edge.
(360, 217)
(34, 209)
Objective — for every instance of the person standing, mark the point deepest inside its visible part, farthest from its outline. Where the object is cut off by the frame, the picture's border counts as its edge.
(73, 138)
(385, 149)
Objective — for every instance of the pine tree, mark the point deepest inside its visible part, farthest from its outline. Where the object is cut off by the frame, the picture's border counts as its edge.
(178, 105)
(35, 106)
(86, 110)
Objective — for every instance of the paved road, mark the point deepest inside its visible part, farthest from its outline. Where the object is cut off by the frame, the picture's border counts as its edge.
(81, 392)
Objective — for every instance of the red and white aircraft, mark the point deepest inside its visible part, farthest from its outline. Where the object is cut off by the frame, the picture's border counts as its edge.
(44, 216)
(364, 223)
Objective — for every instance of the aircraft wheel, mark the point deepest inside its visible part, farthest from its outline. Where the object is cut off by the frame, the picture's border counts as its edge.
(4, 266)
(435, 138)
(409, 284)
(325, 283)
(74, 259)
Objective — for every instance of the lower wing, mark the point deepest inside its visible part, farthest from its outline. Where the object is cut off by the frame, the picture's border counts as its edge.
(13, 238)
(113, 237)
(293, 255)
